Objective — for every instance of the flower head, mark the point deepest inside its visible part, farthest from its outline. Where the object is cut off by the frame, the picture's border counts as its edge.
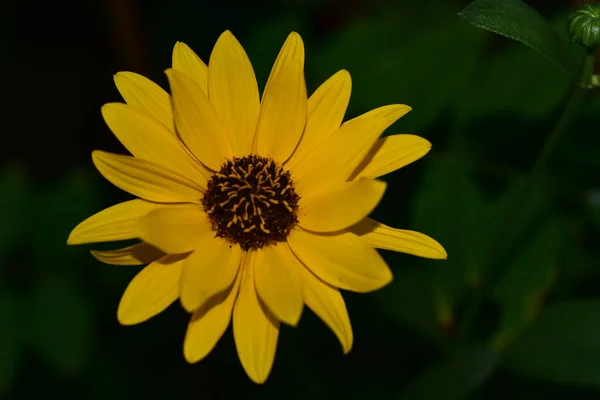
(248, 208)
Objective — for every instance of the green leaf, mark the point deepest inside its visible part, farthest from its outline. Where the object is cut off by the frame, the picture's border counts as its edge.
(523, 288)
(61, 324)
(454, 377)
(9, 338)
(15, 206)
(516, 20)
(563, 345)
(450, 208)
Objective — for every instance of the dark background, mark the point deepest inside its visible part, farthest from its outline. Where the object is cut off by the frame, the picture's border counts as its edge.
(486, 103)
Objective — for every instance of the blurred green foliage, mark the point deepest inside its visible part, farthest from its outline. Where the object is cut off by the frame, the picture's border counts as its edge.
(43, 306)
(455, 376)
(514, 310)
(521, 291)
(562, 345)
(15, 205)
(384, 71)
(9, 337)
(63, 340)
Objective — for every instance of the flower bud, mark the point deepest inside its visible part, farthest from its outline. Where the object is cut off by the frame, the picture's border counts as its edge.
(584, 26)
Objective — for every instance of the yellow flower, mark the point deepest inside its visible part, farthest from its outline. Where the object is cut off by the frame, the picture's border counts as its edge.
(249, 207)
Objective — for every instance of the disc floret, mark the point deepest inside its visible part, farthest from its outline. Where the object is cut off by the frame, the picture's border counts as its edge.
(251, 201)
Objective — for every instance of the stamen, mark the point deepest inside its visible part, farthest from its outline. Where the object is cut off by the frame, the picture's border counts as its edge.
(251, 201)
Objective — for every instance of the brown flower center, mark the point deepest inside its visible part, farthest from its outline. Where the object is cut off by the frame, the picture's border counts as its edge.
(251, 201)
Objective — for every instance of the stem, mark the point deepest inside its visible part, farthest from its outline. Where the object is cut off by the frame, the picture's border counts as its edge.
(587, 71)
(577, 96)
(572, 106)
(496, 271)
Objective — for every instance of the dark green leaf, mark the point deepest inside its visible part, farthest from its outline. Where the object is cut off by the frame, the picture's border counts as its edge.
(61, 329)
(9, 338)
(516, 20)
(454, 377)
(523, 287)
(563, 345)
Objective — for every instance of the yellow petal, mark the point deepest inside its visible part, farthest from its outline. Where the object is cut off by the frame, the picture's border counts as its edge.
(149, 140)
(282, 114)
(209, 270)
(328, 303)
(175, 229)
(278, 284)
(233, 92)
(340, 205)
(188, 62)
(255, 330)
(142, 93)
(326, 109)
(381, 236)
(341, 152)
(391, 153)
(111, 224)
(138, 254)
(145, 179)
(151, 291)
(197, 122)
(292, 50)
(208, 324)
(344, 260)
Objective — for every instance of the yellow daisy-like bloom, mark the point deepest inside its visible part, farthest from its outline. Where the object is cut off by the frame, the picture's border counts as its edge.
(249, 207)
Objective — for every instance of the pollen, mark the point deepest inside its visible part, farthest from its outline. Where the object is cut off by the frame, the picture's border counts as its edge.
(251, 202)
